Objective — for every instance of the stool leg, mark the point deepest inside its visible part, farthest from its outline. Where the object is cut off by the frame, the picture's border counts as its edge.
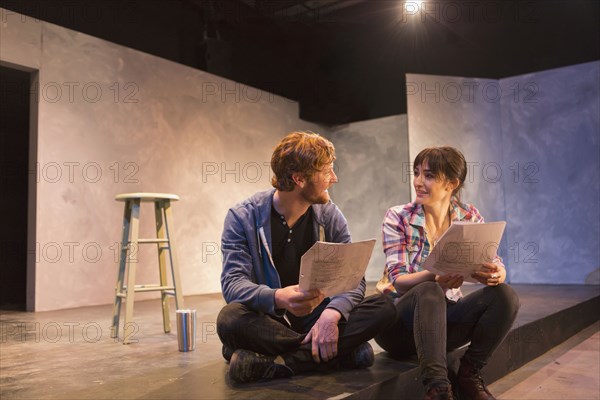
(173, 255)
(162, 262)
(114, 330)
(132, 259)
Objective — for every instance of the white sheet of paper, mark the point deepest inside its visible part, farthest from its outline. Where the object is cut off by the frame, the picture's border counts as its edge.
(335, 268)
(464, 247)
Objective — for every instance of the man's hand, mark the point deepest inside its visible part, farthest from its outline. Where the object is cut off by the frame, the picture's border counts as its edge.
(296, 301)
(449, 281)
(324, 336)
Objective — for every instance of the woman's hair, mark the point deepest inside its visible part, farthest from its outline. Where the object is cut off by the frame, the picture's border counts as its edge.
(299, 152)
(445, 162)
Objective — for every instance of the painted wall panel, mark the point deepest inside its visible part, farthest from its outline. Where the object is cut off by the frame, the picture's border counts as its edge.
(115, 120)
(372, 159)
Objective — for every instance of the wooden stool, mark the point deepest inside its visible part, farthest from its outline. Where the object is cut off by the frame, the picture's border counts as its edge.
(129, 243)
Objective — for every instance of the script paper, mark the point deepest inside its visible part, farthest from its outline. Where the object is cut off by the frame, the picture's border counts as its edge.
(335, 268)
(464, 247)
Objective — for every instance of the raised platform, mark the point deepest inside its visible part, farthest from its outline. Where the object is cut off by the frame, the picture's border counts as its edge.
(69, 354)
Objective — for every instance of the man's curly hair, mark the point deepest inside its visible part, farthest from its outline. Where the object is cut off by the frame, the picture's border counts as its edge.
(299, 152)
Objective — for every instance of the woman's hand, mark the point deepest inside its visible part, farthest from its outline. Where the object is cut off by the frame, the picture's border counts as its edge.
(449, 281)
(491, 274)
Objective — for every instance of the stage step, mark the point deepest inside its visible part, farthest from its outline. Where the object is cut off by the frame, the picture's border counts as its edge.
(549, 315)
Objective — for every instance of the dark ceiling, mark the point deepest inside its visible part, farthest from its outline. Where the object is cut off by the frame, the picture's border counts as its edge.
(343, 60)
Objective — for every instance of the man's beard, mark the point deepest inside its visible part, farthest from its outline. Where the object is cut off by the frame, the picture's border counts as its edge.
(312, 195)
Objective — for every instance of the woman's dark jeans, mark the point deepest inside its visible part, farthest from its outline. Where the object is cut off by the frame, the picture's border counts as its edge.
(428, 326)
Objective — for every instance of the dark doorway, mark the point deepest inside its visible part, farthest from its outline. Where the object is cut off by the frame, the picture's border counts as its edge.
(14, 158)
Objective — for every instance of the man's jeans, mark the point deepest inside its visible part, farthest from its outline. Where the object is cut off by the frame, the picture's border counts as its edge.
(239, 327)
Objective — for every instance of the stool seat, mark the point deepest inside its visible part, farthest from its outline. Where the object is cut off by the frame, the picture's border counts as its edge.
(130, 241)
(146, 196)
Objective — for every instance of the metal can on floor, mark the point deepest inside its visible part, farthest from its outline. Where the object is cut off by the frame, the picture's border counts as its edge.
(186, 330)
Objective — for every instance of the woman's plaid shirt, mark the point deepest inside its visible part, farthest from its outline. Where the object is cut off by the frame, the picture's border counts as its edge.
(405, 243)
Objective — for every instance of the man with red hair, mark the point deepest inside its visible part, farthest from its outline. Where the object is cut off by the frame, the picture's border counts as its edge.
(270, 328)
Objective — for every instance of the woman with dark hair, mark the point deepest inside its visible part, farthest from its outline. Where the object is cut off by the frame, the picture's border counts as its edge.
(432, 315)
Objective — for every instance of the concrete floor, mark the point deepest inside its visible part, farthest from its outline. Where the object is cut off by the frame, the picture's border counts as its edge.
(69, 354)
(568, 371)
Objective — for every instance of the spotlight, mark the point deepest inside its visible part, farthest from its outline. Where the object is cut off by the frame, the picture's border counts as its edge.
(412, 7)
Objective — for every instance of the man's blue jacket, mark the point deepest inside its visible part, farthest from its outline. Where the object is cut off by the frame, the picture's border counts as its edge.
(249, 275)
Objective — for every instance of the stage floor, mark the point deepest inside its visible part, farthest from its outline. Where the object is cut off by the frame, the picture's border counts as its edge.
(70, 354)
